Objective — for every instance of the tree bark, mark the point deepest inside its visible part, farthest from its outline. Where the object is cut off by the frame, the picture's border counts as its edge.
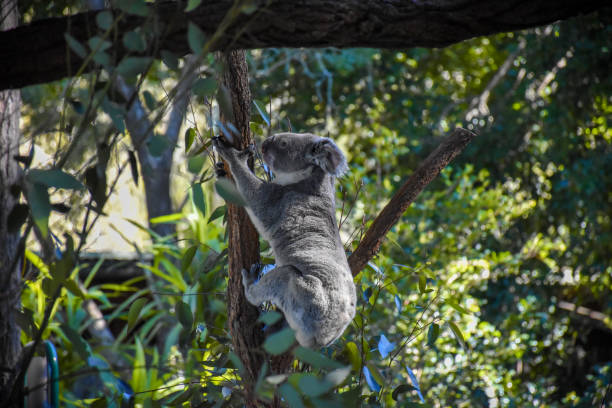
(10, 280)
(391, 213)
(37, 52)
(243, 240)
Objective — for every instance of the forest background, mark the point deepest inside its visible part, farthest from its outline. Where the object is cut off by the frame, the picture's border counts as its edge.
(494, 288)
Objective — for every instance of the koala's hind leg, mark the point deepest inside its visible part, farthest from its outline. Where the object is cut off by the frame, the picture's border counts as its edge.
(300, 297)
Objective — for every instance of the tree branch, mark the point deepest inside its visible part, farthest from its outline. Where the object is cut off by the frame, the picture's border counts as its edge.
(37, 52)
(390, 215)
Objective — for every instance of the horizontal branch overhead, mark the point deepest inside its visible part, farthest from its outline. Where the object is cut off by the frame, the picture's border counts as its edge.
(37, 52)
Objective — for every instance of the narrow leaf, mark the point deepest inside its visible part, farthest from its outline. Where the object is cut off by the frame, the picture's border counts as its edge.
(54, 178)
(219, 212)
(198, 198)
(134, 312)
(192, 5)
(458, 334)
(75, 46)
(183, 314)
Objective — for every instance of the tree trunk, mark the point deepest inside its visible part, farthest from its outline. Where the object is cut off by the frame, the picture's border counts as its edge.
(10, 280)
(37, 53)
(243, 240)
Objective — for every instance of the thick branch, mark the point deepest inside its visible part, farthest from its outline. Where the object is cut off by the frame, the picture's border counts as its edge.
(38, 53)
(390, 215)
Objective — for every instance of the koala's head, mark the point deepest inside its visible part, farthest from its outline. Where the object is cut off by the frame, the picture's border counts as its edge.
(296, 153)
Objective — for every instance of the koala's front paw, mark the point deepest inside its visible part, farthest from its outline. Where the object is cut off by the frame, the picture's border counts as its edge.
(249, 277)
(225, 150)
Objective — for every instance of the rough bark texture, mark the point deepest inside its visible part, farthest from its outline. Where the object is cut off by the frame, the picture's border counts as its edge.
(10, 302)
(243, 241)
(38, 52)
(390, 215)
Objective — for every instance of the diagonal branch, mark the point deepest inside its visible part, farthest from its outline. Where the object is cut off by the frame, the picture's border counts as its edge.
(390, 215)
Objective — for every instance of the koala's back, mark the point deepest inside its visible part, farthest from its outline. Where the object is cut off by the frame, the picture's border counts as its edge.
(306, 237)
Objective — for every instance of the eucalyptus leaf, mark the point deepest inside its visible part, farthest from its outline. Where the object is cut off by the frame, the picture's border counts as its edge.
(195, 38)
(227, 189)
(104, 19)
(279, 342)
(192, 5)
(198, 198)
(75, 46)
(54, 178)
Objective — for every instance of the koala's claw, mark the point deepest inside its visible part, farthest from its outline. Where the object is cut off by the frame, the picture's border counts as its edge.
(249, 277)
(220, 169)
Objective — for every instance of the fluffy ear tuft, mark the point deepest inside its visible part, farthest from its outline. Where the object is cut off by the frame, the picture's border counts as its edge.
(327, 155)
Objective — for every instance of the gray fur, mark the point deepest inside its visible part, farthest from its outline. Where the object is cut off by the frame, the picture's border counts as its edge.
(312, 283)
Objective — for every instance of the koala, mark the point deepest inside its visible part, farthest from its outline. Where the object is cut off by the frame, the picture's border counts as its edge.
(312, 283)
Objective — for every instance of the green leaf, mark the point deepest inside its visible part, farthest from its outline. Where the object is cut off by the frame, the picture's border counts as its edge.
(312, 386)
(195, 38)
(75, 46)
(183, 314)
(219, 212)
(139, 369)
(198, 198)
(167, 219)
(269, 318)
(422, 283)
(354, 356)
(291, 396)
(279, 342)
(457, 307)
(188, 257)
(54, 178)
(262, 113)
(104, 19)
(40, 207)
(375, 373)
(227, 189)
(195, 164)
(192, 4)
(190, 135)
(134, 41)
(157, 145)
(171, 340)
(170, 59)
(74, 288)
(458, 334)
(204, 87)
(130, 67)
(97, 44)
(315, 359)
(432, 333)
(136, 7)
(134, 312)
(149, 100)
(78, 344)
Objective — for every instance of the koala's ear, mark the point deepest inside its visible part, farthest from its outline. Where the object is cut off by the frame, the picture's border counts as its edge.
(325, 154)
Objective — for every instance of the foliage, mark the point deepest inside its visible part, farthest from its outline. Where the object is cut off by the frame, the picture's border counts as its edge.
(494, 288)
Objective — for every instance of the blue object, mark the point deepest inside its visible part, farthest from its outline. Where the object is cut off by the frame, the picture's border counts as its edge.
(52, 374)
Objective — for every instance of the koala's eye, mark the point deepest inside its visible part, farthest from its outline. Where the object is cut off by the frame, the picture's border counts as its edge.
(283, 144)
